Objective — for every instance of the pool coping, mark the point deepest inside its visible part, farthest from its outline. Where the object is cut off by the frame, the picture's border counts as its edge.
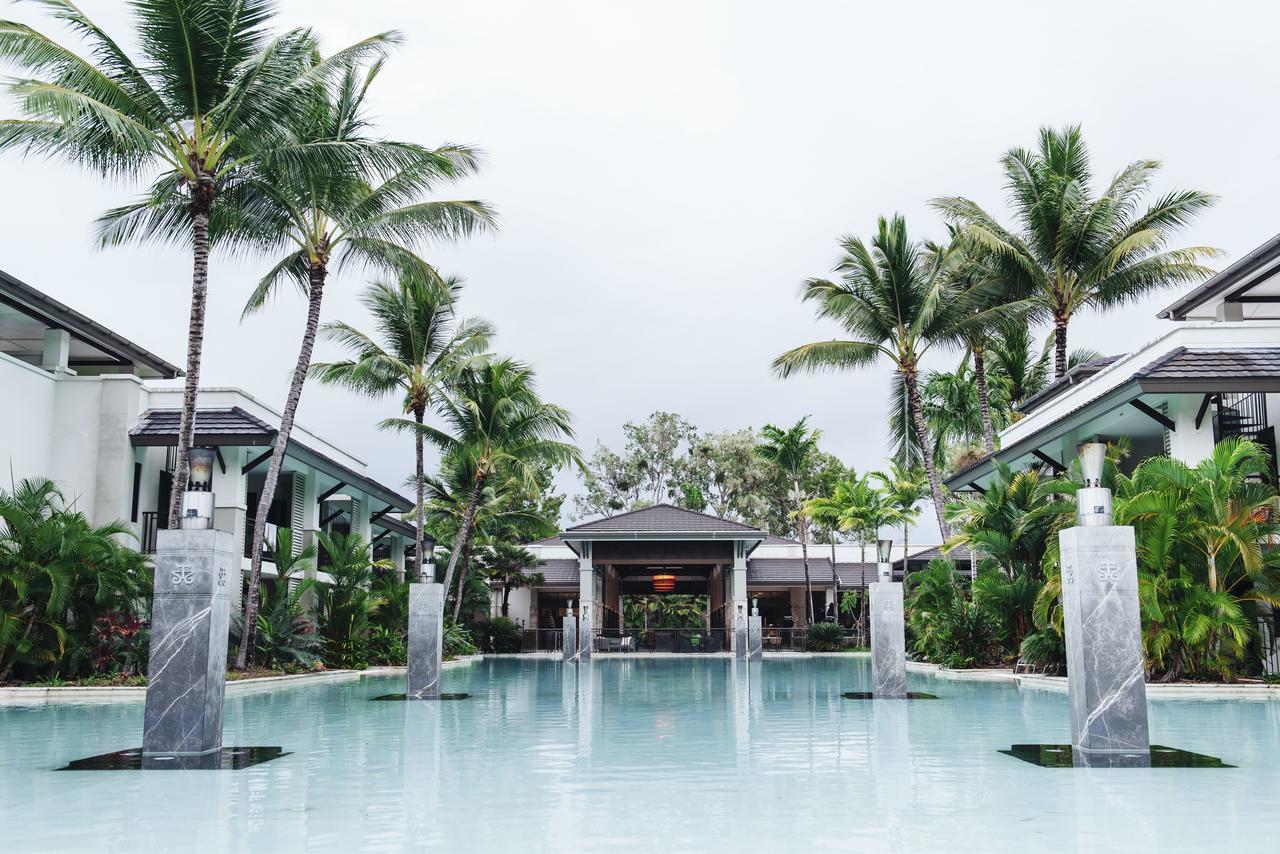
(1058, 684)
(71, 694)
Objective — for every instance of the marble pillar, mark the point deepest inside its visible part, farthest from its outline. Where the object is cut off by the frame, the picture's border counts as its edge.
(586, 629)
(190, 616)
(755, 638)
(888, 643)
(426, 641)
(1103, 633)
(740, 628)
(570, 633)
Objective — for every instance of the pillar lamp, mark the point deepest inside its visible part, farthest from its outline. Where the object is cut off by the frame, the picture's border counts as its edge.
(1093, 500)
(427, 560)
(197, 500)
(884, 559)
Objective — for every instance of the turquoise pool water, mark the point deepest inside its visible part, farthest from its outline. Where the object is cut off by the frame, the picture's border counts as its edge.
(664, 755)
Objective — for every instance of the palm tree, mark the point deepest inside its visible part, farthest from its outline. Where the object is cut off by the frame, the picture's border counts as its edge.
(336, 220)
(902, 489)
(792, 450)
(506, 563)
(209, 101)
(496, 422)
(419, 348)
(897, 299)
(1070, 251)
(346, 606)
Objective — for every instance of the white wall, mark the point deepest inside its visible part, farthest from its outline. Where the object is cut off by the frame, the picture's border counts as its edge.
(26, 410)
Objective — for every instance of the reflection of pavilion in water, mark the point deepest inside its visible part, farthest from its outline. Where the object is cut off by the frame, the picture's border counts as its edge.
(665, 550)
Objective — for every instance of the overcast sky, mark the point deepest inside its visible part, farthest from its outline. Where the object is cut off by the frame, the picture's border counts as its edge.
(667, 173)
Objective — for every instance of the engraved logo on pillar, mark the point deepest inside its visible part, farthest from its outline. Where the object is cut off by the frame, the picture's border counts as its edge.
(182, 574)
(1108, 570)
(1068, 572)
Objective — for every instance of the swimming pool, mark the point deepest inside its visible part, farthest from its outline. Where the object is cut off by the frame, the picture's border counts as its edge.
(663, 754)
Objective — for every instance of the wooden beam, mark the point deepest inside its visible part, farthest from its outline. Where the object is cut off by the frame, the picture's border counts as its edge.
(1204, 407)
(334, 515)
(384, 511)
(1154, 414)
(380, 536)
(222, 464)
(325, 495)
(1058, 468)
(256, 461)
(977, 489)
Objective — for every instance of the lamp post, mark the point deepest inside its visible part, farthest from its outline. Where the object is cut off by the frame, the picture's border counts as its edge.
(427, 560)
(190, 612)
(888, 633)
(1102, 626)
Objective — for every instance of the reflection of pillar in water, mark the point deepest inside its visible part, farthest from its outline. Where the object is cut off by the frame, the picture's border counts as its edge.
(739, 700)
(586, 706)
(755, 678)
(740, 629)
(890, 756)
(422, 765)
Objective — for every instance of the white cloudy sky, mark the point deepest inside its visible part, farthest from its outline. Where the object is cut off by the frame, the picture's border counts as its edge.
(668, 172)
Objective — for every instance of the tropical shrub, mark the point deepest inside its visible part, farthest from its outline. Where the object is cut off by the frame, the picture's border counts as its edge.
(458, 641)
(963, 635)
(119, 643)
(388, 647)
(498, 634)
(825, 637)
(286, 637)
(346, 606)
(58, 575)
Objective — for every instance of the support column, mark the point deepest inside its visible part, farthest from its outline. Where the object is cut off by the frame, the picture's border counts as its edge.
(888, 641)
(57, 349)
(397, 555)
(309, 535)
(187, 666)
(587, 603)
(426, 641)
(740, 598)
(230, 513)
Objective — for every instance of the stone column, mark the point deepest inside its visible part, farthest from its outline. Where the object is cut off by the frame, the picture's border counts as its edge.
(586, 601)
(187, 668)
(586, 633)
(755, 636)
(397, 555)
(740, 598)
(426, 641)
(1101, 623)
(888, 642)
(1103, 633)
(569, 633)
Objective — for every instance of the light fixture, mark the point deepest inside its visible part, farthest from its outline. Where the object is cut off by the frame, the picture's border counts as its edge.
(884, 550)
(664, 583)
(200, 469)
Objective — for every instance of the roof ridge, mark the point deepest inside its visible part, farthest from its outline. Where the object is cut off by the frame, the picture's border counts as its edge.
(661, 505)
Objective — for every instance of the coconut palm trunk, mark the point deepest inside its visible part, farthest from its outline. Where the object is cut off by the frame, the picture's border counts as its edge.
(1060, 321)
(984, 400)
(315, 293)
(201, 203)
(420, 542)
(911, 379)
(802, 528)
(468, 520)
(462, 577)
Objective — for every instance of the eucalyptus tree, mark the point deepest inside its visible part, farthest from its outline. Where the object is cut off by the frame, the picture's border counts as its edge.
(896, 299)
(496, 424)
(1070, 251)
(791, 450)
(211, 94)
(419, 348)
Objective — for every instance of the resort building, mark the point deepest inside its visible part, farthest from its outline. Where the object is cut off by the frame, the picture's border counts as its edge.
(1215, 373)
(99, 417)
(664, 549)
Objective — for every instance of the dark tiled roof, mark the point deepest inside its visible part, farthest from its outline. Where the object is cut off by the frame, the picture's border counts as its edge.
(559, 571)
(547, 541)
(1075, 376)
(660, 519)
(771, 540)
(1244, 363)
(211, 424)
(959, 555)
(787, 570)
(235, 427)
